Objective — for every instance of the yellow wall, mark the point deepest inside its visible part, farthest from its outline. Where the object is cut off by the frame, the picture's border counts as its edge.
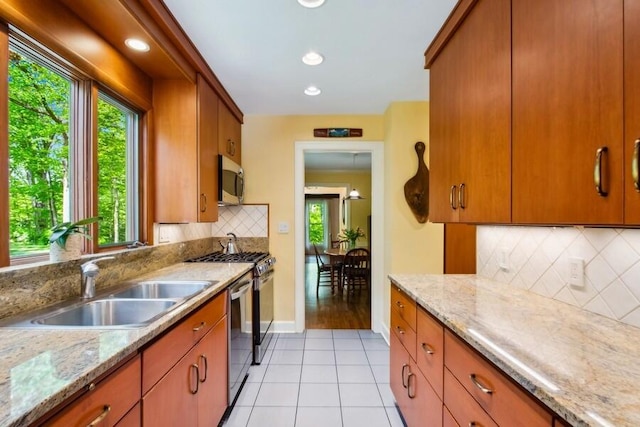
(268, 160)
(360, 209)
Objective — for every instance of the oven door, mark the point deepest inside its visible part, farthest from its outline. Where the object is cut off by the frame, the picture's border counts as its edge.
(262, 315)
(240, 334)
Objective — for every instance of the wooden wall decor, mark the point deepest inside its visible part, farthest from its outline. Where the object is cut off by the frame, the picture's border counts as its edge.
(416, 189)
(337, 132)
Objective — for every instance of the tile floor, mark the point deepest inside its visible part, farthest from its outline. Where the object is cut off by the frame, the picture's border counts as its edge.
(322, 377)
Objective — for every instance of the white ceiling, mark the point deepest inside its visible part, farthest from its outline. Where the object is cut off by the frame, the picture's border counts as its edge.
(373, 49)
(337, 161)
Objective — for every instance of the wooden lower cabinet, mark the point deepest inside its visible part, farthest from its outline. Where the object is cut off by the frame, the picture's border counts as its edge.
(109, 403)
(447, 419)
(463, 408)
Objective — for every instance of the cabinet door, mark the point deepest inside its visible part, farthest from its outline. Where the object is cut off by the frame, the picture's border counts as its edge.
(230, 129)
(471, 118)
(567, 104)
(173, 401)
(425, 408)
(632, 112)
(399, 370)
(212, 358)
(207, 152)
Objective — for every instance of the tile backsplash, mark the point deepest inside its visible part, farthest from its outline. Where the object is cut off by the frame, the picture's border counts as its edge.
(538, 259)
(244, 221)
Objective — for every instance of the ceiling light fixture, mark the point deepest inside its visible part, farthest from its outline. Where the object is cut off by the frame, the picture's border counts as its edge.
(312, 58)
(311, 4)
(137, 44)
(312, 91)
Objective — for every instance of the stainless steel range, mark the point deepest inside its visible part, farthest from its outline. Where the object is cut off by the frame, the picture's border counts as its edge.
(262, 301)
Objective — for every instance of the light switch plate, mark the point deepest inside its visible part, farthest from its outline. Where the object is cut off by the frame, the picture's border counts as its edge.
(283, 227)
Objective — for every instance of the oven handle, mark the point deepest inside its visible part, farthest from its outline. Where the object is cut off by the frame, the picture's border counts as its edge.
(240, 290)
(264, 279)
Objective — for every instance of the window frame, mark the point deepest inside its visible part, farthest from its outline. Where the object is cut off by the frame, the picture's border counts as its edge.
(83, 130)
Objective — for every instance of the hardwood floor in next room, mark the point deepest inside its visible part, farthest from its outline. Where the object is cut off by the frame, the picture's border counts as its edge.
(332, 311)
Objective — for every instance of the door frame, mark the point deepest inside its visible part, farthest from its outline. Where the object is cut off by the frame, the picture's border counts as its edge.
(376, 148)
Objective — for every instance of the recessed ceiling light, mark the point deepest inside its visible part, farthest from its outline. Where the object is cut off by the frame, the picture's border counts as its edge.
(311, 3)
(312, 58)
(312, 91)
(137, 44)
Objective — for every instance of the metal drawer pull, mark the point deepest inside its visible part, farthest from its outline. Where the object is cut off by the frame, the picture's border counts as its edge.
(200, 326)
(203, 202)
(477, 383)
(635, 165)
(399, 304)
(452, 197)
(427, 348)
(105, 410)
(461, 196)
(206, 367)
(404, 383)
(194, 366)
(597, 172)
(400, 330)
(411, 396)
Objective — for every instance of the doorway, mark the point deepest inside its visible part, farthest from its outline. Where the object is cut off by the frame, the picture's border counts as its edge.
(376, 150)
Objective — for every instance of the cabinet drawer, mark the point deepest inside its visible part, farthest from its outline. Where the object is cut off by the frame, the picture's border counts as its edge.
(404, 332)
(430, 349)
(404, 306)
(465, 410)
(507, 404)
(110, 400)
(447, 419)
(164, 353)
(132, 419)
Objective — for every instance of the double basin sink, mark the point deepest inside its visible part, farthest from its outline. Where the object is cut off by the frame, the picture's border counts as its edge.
(132, 306)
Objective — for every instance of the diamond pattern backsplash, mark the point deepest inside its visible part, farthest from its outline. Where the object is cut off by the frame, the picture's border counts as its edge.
(537, 259)
(244, 221)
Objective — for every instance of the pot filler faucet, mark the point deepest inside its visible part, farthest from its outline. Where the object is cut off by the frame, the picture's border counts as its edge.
(89, 272)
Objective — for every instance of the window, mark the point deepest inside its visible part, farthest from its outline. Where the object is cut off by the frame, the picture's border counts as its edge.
(316, 222)
(117, 172)
(52, 153)
(39, 147)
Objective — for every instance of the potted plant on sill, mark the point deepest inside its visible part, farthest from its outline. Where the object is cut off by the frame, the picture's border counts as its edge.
(65, 242)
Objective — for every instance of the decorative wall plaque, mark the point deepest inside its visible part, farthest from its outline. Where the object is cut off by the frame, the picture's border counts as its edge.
(337, 132)
(416, 189)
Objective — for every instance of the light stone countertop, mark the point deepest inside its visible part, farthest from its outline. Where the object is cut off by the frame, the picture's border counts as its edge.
(40, 368)
(583, 366)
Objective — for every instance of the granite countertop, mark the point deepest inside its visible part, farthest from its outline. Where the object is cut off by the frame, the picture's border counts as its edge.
(583, 366)
(40, 368)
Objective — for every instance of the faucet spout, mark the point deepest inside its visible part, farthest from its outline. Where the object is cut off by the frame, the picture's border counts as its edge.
(89, 271)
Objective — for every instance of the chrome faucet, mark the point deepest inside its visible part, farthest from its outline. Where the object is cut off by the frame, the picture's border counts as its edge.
(90, 271)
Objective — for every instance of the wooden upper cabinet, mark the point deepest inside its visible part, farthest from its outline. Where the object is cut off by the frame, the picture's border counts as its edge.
(470, 118)
(186, 150)
(229, 134)
(567, 104)
(632, 111)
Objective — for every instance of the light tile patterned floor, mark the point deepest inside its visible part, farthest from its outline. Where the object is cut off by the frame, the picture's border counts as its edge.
(320, 378)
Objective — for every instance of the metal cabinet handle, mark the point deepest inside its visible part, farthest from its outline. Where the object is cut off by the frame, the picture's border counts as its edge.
(203, 202)
(199, 327)
(399, 304)
(97, 420)
(400, 330)
(635, 165)
(197, 381)
(461, 196)
(597, 171)
(427, 348)
(411, 395)
(206, 368)
(452, 197)
(473, 424)
(480, 386)
(404, 383)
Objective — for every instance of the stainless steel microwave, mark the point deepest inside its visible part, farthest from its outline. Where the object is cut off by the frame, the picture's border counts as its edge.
(230, 182)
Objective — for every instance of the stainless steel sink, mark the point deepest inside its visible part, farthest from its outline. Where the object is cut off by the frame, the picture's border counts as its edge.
(164, 289)
(111, 312)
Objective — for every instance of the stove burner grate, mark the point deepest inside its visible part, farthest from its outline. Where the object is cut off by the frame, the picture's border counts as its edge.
(251, 257)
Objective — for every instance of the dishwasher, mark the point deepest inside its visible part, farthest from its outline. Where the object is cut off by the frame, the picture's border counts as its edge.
(240, 336)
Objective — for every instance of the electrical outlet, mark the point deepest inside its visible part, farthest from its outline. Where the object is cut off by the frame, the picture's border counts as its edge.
(576, 272)
(163, 234)
(503, 258)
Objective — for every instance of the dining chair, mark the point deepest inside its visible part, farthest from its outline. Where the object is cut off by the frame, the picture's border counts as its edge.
(356, 271)
(326, 273)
